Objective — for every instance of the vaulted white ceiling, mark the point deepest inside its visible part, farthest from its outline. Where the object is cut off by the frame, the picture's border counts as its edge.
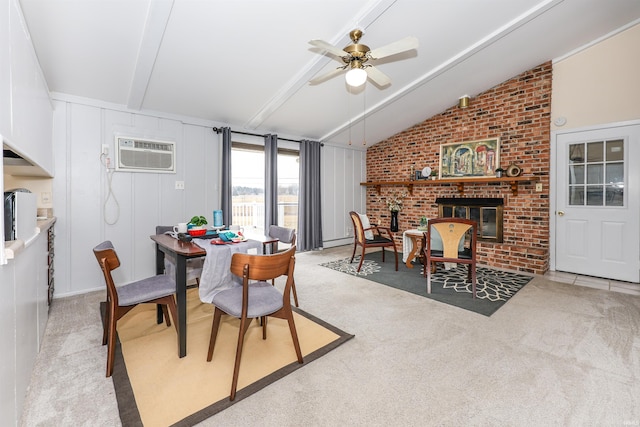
(247, 63)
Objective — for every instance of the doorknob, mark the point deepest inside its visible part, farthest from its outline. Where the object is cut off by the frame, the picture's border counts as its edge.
(560, 213)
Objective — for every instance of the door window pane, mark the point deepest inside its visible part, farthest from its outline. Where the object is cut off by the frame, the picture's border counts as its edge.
(595, 151)
(594, 196)
(614, 195)
(615, 173)
(576, 196)
(576, 174)
(594, 174)
(576, 153)
(615, 150)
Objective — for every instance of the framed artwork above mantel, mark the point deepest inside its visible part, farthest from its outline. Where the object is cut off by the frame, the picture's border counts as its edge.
(470, 159)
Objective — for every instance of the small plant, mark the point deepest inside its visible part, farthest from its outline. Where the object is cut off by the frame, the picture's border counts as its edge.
(198, 221)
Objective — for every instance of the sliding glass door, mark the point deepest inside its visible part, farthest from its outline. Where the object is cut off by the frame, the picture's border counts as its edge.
(247, 178)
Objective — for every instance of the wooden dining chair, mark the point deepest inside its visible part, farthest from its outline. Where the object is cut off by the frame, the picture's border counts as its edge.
(194, 265)
(452, 232)
(256, 299)
(370, 236)
(158, 289)
(287, 236)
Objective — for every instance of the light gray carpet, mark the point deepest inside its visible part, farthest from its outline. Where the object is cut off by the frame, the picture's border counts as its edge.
(555, 355)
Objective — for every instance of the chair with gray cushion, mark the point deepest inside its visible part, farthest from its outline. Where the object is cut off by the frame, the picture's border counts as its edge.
(121, 299)
(283, 234)
(287, 236)
(256, 299)
(194, 265)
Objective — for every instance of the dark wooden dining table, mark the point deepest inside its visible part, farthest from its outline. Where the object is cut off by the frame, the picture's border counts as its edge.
(182, 251)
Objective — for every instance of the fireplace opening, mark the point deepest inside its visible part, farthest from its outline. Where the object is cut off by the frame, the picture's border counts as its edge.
(487, 212)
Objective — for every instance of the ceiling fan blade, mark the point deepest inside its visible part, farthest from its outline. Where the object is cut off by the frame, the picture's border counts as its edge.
(378, 77)
(402, 45)
(328, 47)
(326, 76)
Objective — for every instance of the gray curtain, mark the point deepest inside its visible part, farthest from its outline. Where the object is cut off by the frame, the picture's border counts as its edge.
(226, 190)
(270, 181)
(309, 209)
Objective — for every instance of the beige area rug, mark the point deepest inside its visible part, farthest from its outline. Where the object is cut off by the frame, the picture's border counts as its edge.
(155, 387)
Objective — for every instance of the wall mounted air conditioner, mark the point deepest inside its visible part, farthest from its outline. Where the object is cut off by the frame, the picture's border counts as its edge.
(144, 155)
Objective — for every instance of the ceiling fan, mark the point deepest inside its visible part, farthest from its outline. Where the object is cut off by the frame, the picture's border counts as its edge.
(355, 56)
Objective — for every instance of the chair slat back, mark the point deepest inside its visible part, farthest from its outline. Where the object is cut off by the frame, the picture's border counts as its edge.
(451, 233)
(264, 267)
(108, 260)
(358, 229)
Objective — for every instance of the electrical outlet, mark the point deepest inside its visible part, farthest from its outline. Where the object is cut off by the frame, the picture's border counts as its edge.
(538, 187)
(105, 149)
(179, 185)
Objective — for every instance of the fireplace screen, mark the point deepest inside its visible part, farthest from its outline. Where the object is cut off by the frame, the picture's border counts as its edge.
(486, 212)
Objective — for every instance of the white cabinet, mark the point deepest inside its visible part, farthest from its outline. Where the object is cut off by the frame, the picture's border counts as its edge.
(25, 284)
(8, 413)
(27, 119)
(5, 71)
(23, 316)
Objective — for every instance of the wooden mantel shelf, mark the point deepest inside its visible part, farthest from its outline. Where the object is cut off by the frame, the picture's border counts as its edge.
(513, 181)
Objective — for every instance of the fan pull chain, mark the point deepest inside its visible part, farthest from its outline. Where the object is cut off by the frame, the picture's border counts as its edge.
(364, 116)
(349, 111)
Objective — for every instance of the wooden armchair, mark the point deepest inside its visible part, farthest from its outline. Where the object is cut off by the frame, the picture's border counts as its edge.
(452, 231)
(370, 236)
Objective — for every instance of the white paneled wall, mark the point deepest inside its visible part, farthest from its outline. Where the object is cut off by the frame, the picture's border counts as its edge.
(144, 200)
(343, 170)
(139, 201)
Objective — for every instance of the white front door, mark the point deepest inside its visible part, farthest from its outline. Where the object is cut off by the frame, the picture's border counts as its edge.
(597, 216)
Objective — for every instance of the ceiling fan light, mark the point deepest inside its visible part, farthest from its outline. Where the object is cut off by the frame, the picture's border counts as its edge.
(356, 77)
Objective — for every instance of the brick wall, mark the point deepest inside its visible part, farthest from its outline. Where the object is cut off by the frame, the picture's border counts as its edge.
(518, 112)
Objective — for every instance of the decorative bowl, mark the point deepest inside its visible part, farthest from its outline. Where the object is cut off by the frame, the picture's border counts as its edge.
(197, 232)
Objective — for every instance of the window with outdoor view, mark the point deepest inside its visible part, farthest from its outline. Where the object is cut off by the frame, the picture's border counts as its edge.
(247, 181)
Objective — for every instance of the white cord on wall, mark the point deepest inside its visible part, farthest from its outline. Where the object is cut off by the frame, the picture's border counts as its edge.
(110, 194)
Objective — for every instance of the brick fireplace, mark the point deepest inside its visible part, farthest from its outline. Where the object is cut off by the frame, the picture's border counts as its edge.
(518, 112)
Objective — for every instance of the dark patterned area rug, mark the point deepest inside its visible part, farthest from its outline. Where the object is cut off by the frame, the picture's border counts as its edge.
(493, 287)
